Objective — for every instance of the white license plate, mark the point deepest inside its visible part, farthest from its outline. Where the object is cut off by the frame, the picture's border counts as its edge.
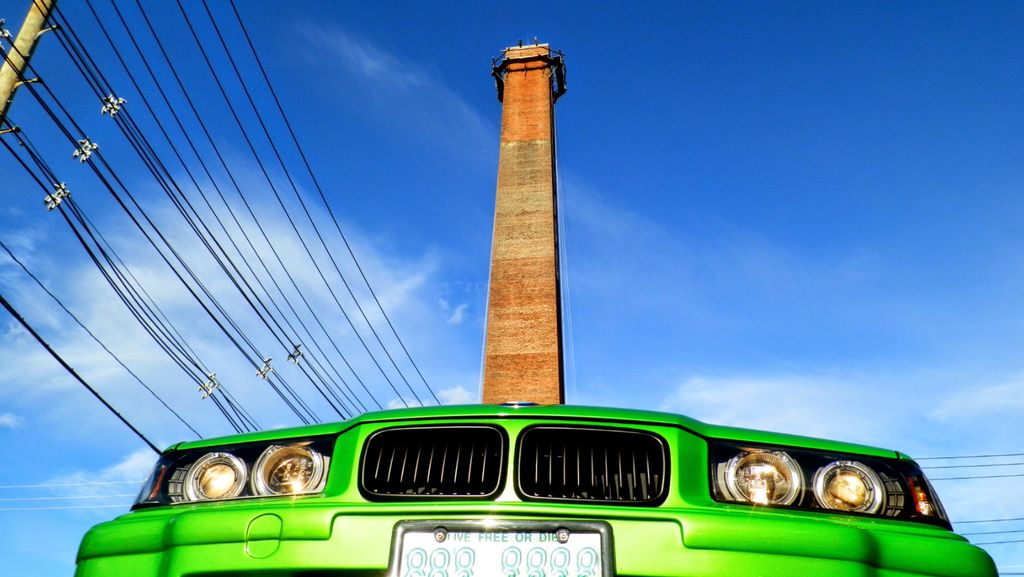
(522, 552)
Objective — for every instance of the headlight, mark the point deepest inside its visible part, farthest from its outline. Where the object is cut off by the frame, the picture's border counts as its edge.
(215, 476)
(763, 478)
(262, 469)
(841, 483)
(288, 470)
(848, 486)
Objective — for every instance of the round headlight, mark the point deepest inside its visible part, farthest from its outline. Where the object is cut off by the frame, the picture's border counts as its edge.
(848, 486)
(215, 476)
(288, 470)
(764, 478)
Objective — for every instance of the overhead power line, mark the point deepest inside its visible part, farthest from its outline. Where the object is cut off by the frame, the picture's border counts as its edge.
(83, 484)
(323, 197)
(184, 206)
(131, 292)
(993, 532)
(988, 520)
(21, 320)
(90, 70)
(185, 132)
(145, 322)
(277, 195)
(67, 498)
(979, 465)
(98, 341)
(68, 508)
(224, 321)
(291, 182)
(970, 456)
(976, 477)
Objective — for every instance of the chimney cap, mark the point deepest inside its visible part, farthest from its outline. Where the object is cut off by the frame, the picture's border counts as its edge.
(535, 44)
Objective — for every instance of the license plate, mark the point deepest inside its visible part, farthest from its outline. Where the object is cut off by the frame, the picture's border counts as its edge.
(503, 549)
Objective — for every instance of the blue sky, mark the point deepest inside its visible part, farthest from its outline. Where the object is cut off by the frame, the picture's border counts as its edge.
(795, 216)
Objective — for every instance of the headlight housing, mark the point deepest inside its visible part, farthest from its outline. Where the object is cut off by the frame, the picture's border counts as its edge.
(840, 483)
(282, 468)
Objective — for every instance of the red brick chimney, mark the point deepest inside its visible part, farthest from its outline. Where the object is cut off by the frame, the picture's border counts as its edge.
(523, 350)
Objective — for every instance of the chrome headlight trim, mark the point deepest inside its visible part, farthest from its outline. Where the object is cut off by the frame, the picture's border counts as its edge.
(778, 459)
(192, 489)
(262, 471)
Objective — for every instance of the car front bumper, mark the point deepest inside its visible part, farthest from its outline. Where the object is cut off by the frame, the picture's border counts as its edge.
(313, 537)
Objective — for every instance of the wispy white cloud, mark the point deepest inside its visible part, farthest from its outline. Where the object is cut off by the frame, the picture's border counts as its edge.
(10, 421)
(401, 92)
(701, 266)
(453, 315)
(456, 396)
(818, 406)
(114, 480)
(396, 403)
(458, 315)
(989, 401)
(136, 465)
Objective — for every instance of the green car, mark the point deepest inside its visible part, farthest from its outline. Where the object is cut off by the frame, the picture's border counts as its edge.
(530, 491)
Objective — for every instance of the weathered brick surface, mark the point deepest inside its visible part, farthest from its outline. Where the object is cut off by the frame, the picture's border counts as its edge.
(522, 357)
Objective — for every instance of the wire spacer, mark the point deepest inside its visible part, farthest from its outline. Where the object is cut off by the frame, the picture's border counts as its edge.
(85, 149)
(294, 356)
(210, 385)
(265, 370)
(111, 105)
(53, 200)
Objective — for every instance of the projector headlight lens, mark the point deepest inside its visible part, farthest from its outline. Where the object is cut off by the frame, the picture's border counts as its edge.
(288, 470)
(215, 476)
(763, 478)
(848, 486)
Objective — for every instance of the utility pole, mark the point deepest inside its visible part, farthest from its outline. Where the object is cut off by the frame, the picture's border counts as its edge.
(17, 59)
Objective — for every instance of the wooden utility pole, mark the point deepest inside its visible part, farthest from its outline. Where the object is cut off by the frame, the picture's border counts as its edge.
(17, 59)
(523, 350)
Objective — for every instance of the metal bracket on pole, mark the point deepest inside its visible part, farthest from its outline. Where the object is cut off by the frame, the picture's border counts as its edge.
(11, 130)
(295, 355)
(61, 192)
(265, 370)
(111, 105)
(85, 149)
(45, 30)
(210, 385)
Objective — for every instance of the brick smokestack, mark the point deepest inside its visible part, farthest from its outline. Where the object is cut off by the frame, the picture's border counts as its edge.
(523, 350)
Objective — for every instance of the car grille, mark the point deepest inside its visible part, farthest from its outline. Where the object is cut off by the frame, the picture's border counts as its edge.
(443, 461)
(612, 466)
